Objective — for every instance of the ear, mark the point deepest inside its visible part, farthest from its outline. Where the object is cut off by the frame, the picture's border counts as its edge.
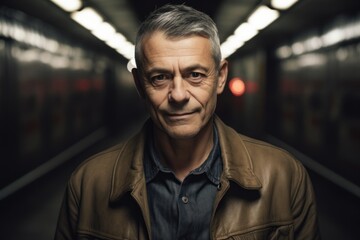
(223, 72)
(138, 82)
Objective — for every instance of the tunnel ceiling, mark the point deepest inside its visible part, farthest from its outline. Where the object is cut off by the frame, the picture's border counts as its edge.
(125, 15)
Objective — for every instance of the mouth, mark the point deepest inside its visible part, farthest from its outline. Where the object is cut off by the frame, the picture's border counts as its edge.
(179, 116)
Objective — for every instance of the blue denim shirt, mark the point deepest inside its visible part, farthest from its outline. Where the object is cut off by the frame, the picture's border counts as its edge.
(181, 210)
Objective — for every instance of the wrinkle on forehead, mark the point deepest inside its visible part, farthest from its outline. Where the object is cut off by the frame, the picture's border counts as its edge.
(160, 50)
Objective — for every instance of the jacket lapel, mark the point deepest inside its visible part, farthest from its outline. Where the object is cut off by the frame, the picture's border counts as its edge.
(128, 169)
(128, 174)
(236, 159)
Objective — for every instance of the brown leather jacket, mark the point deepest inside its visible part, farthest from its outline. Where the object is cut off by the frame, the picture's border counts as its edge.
(265, 194)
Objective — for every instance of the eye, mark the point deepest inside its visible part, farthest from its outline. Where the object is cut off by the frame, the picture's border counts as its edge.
(159, 79)
(196, 77)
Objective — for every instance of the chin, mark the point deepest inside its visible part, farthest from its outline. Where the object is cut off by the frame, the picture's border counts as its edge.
(182, 132)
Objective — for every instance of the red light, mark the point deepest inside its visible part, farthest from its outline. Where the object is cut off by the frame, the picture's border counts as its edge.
(237, 86)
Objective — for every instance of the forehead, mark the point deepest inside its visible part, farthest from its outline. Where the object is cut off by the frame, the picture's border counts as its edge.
(157, 47)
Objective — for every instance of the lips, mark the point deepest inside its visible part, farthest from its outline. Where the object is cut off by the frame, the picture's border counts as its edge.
(179, 116)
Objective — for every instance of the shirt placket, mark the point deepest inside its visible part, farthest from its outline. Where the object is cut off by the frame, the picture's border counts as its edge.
(185, 206)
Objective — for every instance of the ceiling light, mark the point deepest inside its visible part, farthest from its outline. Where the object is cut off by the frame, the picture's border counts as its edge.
(245, 32)
(231, 44)
(88, 18)
(116, 40)
(282, 4)
(298, 48)
(127, 50)
(312, 43)
(333, 37)
(262, 17)
(284, 52)
(311, 59)
(68, 5)
(227, 50)
(104, 31)
(234, 40)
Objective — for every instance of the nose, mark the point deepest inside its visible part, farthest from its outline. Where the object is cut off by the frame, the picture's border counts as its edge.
(178, 92)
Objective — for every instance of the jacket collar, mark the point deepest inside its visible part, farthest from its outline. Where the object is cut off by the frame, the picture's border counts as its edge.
(128, 173)
(237, 163)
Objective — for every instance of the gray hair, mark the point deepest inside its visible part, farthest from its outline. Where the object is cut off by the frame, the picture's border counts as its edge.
(177, 21)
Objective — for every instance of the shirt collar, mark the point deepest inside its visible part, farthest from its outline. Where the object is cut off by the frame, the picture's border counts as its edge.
(212, 167)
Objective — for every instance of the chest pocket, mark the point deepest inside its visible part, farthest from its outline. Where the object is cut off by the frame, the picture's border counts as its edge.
(273, 233)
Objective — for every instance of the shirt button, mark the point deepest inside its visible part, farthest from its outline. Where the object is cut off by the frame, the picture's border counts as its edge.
(185, 199)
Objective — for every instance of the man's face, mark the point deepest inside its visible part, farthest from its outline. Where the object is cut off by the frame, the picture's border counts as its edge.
(180, 82)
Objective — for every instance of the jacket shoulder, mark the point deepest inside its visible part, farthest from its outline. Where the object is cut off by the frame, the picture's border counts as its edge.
(257, 148)
(100, 161)
(264, 159)
(96, 171)
(274, 165)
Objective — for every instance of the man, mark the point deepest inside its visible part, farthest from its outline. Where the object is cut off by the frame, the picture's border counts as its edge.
(186, 175)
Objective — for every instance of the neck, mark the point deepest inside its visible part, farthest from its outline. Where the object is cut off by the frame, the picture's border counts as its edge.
(184, 155)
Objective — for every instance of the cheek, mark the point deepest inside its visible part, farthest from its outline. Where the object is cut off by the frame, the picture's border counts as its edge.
(210, 104)
(205, 97)
(155, 98)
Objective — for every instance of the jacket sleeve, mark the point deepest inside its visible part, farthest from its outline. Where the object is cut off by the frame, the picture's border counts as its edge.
(304, 208)
(67, 221)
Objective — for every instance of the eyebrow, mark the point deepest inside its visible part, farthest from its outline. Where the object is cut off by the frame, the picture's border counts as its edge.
(186, 69)
(157, 70)
(196, 66)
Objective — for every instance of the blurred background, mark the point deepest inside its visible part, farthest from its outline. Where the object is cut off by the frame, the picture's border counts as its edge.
(66, 93)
